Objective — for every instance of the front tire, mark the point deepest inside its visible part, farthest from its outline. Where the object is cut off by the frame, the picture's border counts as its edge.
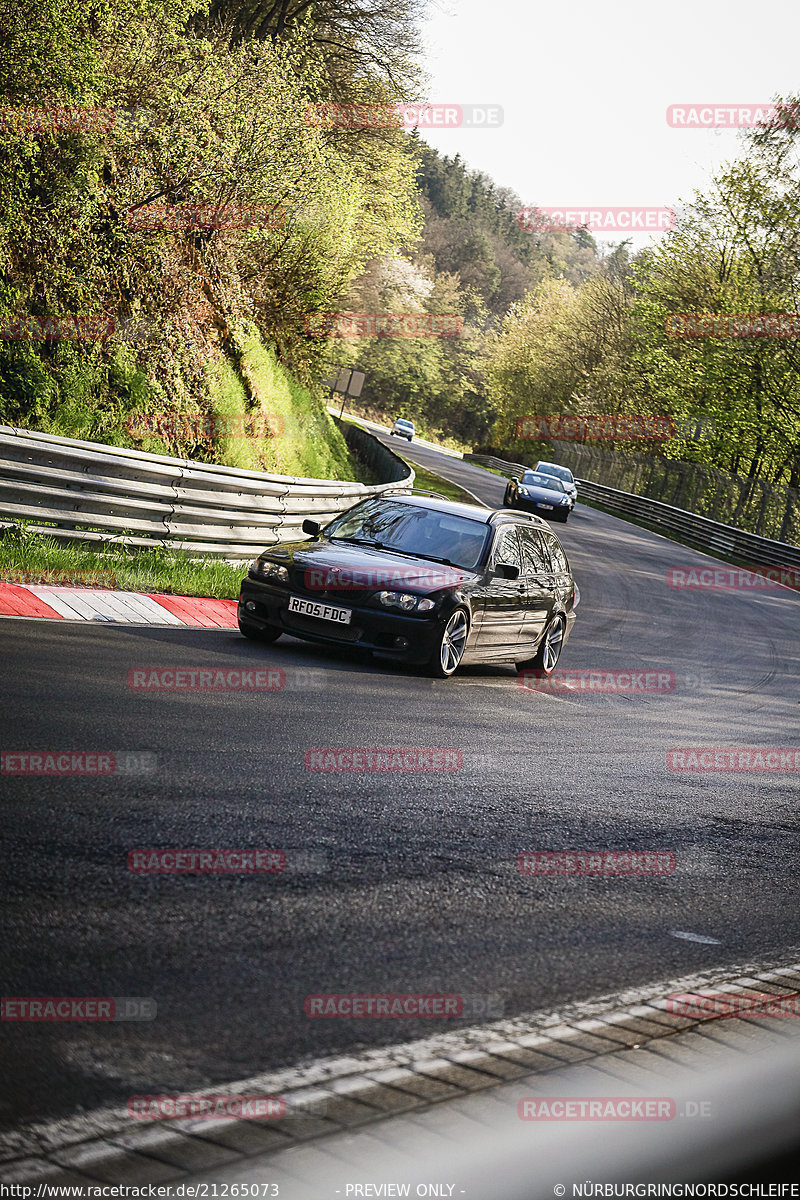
(452, 643)
(268, 634)
(546, 658)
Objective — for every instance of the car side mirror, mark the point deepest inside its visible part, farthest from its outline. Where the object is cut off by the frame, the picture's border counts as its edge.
(312, 527)
(507, 571)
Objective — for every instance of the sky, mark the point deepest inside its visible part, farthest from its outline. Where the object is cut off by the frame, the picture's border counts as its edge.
(585, 86)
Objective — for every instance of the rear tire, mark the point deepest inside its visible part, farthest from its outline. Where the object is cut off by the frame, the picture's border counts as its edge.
(269, 634)
(546, 658)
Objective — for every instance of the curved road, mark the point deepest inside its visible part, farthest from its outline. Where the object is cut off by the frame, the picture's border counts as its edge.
(395, 882)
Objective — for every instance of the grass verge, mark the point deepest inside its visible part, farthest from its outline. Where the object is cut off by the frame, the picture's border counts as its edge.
(435, 483)
(28, 557)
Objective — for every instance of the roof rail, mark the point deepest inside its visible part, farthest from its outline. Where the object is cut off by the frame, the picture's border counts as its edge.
(420, 491)
(518, 512)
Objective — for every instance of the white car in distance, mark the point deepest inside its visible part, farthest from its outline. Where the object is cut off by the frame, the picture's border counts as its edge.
(403, 428)
(562, 473)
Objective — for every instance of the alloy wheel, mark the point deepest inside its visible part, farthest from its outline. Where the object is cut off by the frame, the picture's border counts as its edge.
(454, 640)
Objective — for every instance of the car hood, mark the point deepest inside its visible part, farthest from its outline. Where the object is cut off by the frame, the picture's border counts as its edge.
(535, 492)
(324, 565)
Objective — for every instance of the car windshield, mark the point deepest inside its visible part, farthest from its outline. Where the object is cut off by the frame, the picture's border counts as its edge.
(560, 472)
(538, 479)
(412, 529)
(408, 424)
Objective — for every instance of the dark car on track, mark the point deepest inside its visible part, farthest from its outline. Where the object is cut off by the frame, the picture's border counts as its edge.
(420, 580)
(541, 494)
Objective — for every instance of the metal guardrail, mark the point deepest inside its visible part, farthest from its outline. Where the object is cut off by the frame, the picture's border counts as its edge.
(767, 509)
(73, 491)
(701, 532)
(496, 464)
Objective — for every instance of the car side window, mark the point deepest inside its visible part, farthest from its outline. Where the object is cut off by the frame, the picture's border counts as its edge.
(534, 554)
(557, 555)
(506, 548)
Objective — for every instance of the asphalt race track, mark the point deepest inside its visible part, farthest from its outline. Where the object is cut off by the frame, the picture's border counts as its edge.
(395, 882)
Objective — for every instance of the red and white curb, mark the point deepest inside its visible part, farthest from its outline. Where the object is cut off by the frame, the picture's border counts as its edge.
(100, 604)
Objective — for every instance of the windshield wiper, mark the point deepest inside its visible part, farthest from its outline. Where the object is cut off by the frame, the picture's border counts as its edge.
(359, 541)
(429, 557)
(417, 554)
(396, 550)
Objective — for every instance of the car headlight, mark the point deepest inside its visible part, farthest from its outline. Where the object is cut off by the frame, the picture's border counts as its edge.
(271, 570)
(406, 601)
(523, 491)
(564, 500)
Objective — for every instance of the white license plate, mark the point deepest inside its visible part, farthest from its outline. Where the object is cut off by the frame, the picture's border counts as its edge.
(544, 506)
(316, 608)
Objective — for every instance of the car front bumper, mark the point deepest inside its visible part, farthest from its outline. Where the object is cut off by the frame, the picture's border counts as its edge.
(527, 504)
(411, 639)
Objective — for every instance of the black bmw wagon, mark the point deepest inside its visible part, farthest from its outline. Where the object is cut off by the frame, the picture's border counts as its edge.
(421, 580)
